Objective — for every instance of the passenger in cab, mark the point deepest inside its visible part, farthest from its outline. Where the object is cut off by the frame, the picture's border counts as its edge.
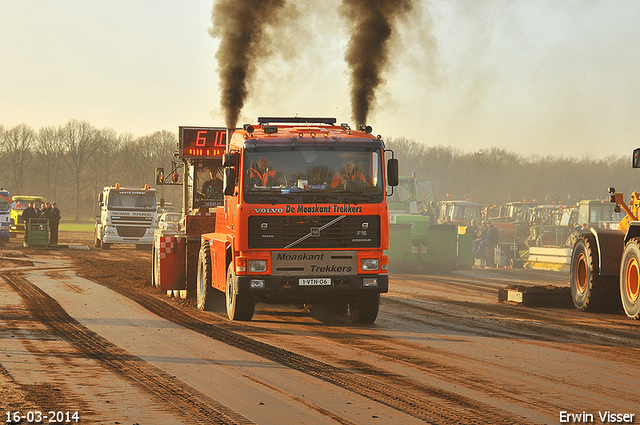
(349, 177)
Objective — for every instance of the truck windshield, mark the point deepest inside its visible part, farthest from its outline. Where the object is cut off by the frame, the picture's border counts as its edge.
(310, 174)
(465, 213)
(132, 200)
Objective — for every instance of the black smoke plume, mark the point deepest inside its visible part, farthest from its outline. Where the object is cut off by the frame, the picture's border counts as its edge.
(240, 25)
(372, 25)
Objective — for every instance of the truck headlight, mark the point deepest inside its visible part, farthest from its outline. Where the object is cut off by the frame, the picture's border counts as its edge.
(257, 266)
(369, 264)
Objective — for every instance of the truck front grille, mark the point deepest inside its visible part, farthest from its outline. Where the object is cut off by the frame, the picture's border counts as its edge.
(131, 231)
(295, 232)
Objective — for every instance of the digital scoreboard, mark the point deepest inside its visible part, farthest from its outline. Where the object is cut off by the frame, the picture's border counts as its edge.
(202, 142)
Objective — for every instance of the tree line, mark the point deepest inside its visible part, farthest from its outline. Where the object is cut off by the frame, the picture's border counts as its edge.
(71, 163)
(495, 176)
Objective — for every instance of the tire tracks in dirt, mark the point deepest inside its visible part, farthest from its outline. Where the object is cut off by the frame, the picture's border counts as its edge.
(432, 405)
(192, 405)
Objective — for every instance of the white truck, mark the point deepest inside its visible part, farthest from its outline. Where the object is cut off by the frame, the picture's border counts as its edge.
(127, 216)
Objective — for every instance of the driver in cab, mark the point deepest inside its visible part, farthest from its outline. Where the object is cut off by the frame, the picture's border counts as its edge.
(348, 176)
(260, 174)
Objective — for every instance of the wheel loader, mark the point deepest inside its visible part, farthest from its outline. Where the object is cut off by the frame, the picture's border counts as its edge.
(605, 262)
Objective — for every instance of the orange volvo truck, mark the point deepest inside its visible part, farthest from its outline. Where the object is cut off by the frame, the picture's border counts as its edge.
(605, 263)
(293, 211)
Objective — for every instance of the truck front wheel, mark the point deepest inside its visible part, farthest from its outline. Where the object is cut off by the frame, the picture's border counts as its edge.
(155, 281)
(204, 295)
(365, 309)
(96, 241)
(239, 306)
(630, 279)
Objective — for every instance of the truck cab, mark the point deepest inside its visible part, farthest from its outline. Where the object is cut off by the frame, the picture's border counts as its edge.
(128, 215)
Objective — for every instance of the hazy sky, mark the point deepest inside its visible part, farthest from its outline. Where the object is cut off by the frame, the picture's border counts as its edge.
(537, 77)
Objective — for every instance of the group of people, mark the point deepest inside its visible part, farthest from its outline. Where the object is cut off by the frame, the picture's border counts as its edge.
(485, 238)
(46, 211)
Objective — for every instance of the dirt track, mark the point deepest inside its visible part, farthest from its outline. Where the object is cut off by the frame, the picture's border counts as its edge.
(443, 350)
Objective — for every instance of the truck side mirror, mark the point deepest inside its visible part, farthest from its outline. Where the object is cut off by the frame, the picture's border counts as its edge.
(159, 175)
(392, 172)
(230, 159)
(636, 158)
(229, 183)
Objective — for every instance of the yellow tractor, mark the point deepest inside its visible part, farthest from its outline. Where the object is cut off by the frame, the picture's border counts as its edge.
(605, 263)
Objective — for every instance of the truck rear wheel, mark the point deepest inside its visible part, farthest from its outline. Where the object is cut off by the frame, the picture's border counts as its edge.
(239, 306)
(589, 290)
(204, 290)
(630, 279)
(365, 309)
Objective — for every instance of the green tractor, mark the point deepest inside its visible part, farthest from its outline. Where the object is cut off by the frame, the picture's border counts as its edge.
(416, 241)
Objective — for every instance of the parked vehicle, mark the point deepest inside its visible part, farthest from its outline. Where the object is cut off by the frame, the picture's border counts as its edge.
(128, 215)
(5, 215)
(169, 221)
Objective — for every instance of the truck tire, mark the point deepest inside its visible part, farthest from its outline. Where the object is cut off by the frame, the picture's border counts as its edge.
(589, 290)
(630, 279)
(365, 309)
(239, 306)
(96, 241)
(104, 245)
(155, 280)
(204, 290)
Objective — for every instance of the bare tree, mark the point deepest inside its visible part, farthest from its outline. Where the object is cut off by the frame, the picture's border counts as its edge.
(17, 154)
(49, 153)
(103, 158)
(77, 138)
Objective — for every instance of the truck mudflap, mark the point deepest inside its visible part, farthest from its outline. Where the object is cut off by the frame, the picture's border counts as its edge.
(610, 247)
(307, 289)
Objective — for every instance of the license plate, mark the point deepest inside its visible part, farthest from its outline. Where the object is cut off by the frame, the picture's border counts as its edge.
(321, 281)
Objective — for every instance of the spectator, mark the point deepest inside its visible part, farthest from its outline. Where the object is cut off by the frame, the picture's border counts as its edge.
(447, 220)
(36, 208)
(54, 221)
(482, 233)
(490, 241)
(44, 210)
(472, 229)
(27, 214)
